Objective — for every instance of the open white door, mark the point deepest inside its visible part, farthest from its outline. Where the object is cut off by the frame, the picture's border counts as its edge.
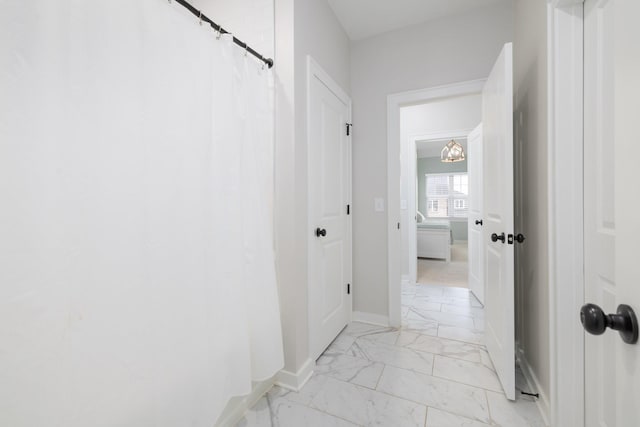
(476, 236)
(329, 213)
(497, 141)
(612, 203)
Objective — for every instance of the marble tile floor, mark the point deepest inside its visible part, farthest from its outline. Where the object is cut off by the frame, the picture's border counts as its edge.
(433, 372)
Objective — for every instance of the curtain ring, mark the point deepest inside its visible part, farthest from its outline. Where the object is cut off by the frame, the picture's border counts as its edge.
(219, 33)
(200, 17)
(246, 49)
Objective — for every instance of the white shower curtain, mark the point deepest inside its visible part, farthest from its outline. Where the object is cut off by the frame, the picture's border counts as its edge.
(136, 180)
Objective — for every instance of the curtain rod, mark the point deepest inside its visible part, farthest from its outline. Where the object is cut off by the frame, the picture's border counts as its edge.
(204, 18)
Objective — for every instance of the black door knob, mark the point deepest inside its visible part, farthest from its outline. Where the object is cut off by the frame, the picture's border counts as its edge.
(495, 237)
(321, 232)
(596, 322)
(478, 222)
(520, 238)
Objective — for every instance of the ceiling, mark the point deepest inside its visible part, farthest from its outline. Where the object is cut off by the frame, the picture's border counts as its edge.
(366, 18)
(433, 147)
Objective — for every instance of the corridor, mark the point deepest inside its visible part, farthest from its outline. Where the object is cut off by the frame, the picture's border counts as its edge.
(433, 372)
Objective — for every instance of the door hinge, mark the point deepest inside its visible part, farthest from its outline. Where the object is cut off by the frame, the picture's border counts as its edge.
(398, 226)
(349, 128)
(348, 288)
(348, 209)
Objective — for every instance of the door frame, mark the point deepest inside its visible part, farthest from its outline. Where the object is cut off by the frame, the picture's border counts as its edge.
(565, 71)
(314, 70)
(394, 215)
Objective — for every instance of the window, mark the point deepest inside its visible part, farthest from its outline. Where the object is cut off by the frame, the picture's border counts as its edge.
(447, 195)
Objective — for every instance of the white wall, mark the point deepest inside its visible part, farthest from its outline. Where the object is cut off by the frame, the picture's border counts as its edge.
(530, 86)
(252, 21)
(303, 27)
(449, 114)
(455, 49)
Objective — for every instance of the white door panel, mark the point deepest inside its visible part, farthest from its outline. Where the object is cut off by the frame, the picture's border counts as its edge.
(476, 236)
(612, 202)
(599, 222)
(329, 195)
(626, 58)
(497, 141)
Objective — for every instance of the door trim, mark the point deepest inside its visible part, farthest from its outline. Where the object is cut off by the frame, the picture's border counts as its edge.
(565, 214)
(394, 241)
(314, 70)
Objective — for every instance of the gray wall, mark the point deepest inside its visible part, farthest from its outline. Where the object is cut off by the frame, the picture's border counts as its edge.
(530, 125)
(455, 49)
(434, 165)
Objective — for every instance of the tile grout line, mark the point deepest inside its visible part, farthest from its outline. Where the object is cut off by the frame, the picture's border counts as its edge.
(486, 396)
(437, 377)
(419, 373)
(449, 410)
(448, 324)
(380, 377)
(480, 364)
(468, 385)
(463, 416)
(311, 406)
(426, 416)
(476, 345)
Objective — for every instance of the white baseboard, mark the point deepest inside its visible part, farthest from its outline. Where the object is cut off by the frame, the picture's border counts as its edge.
(295, 381)
(371, 318)
(534, 386)
(238, 406)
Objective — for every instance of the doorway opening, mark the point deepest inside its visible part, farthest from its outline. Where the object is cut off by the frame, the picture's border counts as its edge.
(402, 193)
(435, 193)
(442, 199)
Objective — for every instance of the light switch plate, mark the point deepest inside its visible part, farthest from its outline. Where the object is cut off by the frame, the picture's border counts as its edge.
(378, 203)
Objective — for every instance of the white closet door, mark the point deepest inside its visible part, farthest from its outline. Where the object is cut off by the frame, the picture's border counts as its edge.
(330, 222)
